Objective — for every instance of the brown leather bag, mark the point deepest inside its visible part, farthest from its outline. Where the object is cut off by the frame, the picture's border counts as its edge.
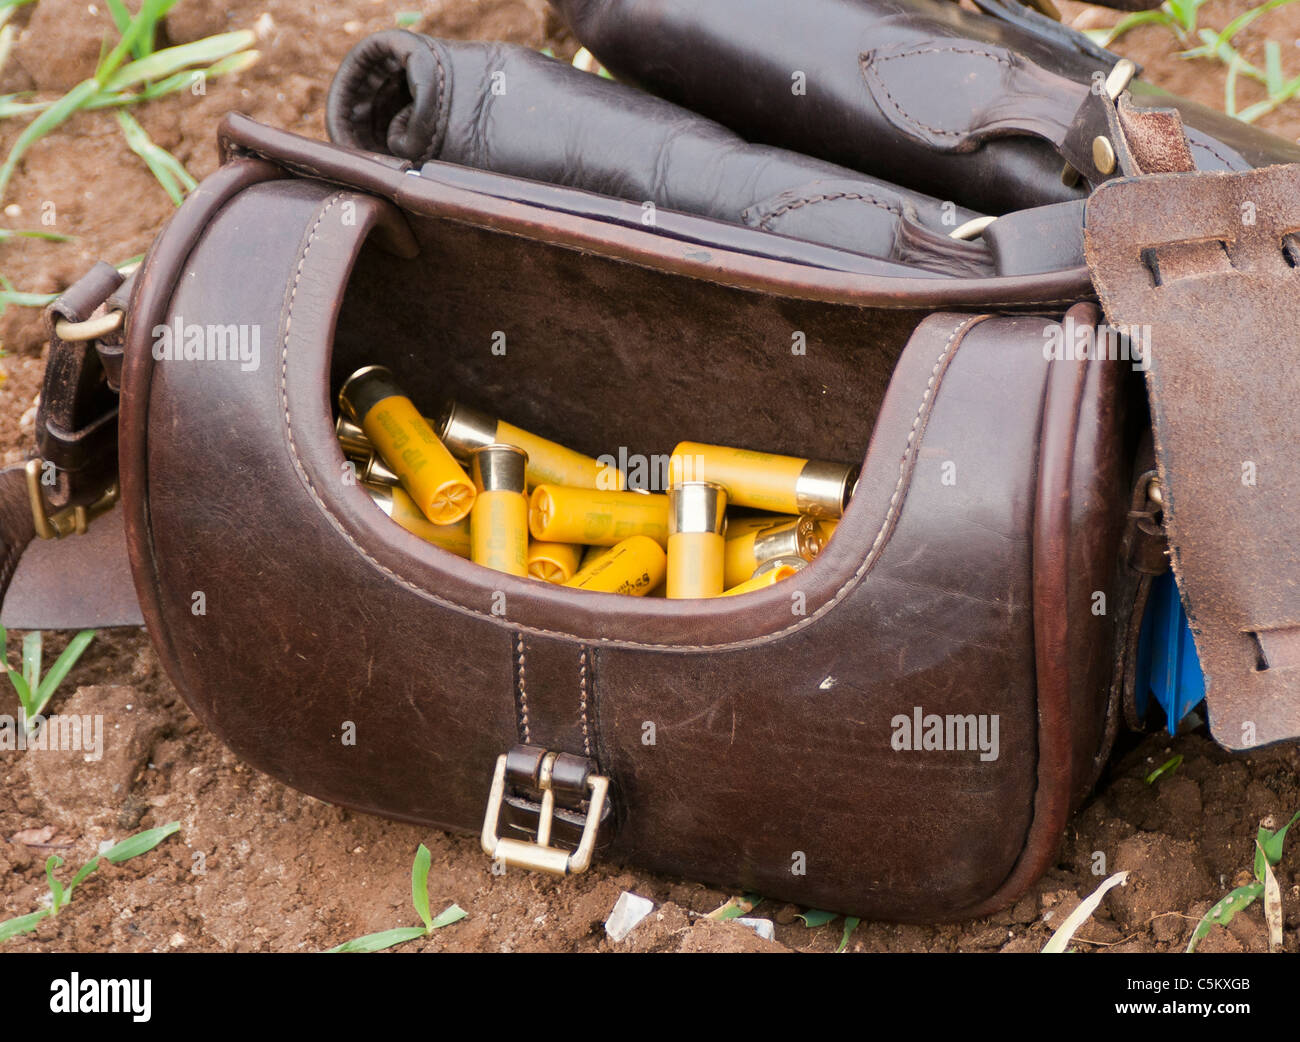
(899, 731)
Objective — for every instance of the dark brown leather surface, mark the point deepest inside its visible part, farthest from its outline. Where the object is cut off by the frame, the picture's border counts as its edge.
(921, 92)
(509, 109)
(16, 527)
(743, 258)
(772, 729)
(78, 582)
(1200, 260)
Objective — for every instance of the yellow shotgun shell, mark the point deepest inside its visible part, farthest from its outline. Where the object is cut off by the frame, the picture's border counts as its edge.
(634, 566)
(371, 398)
(741, 526)
(696, 548)
(554, 562)
(798, 537)
(564, 514)
(464, 429)
(761, 580)
(765, 481)
(498, 521)
(401, 508)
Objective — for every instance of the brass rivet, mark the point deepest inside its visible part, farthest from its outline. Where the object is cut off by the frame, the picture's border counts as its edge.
(1103, 154)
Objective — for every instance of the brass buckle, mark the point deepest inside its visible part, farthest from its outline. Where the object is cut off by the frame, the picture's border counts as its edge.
(69, 520)
(539, 855)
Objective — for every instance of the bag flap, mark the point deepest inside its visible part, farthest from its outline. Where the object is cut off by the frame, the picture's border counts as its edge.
(1200, 271)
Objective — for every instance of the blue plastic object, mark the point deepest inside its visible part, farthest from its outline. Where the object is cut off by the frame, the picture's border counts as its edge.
(1168, 668)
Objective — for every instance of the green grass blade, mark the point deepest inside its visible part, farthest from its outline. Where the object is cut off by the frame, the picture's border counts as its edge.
(183, 80)
(420, 885)
(24, 692)
(1132, 21)
(814, 918)
(10, 106)
(1269, 844)
(23, 924)
(122, 19)
(142, 25)
(121, 16)
(377, 942)
(850, 924)
(80, 877)
(32, 660)
(62, 666)
(141, 843)
(173, 59)
(1168, 767)
(1230, 86)
(453, 913)
(56, 888)
(6, 41)
(43, 124)
(1222, 912)
(164, 166)
(32, 233)
(1273, 82)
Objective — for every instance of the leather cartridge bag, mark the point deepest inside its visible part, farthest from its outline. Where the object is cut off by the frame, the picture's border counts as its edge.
(902, 729)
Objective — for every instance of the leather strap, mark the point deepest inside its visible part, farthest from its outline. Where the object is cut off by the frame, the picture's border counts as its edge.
(81, 580)
(1197, 265)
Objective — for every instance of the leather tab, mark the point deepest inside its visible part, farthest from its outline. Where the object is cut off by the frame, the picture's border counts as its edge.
(76, 424)
(1195, 265)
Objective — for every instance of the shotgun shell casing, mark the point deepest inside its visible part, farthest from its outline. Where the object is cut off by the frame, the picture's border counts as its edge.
(554, 562)
(634, 566)
(564, 514)
(404, 440)
(740, 526)
(797, 563)
(352, 439)
(772, 573)
(800, 537)
(394, 502)
(765, 481)
(498, 520)
(827, 529)
(463, 429)
(696, 547)
(371, 470)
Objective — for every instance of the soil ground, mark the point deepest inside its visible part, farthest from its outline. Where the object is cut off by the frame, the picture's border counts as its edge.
(260, 867)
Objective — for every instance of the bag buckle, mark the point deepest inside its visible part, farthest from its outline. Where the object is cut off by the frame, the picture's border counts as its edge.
(540, 855)
(69, 520)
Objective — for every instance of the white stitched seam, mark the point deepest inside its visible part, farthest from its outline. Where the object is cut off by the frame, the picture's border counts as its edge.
(582, 702)
(520, 666)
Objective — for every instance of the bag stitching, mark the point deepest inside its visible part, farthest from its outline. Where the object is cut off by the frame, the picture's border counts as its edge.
(765, 222)
(582, 700)
(964, 325)
(521, 686)
(876, 61)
